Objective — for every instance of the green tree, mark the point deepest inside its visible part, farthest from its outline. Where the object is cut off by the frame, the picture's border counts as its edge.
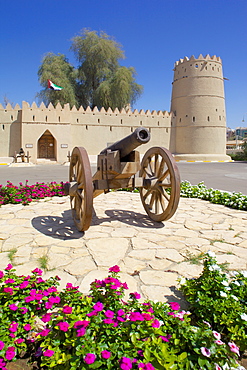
(102, 81)
(99, 79)
(57, 69)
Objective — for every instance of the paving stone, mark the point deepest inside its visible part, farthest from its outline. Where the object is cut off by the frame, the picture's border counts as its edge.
(124, 232)
(64, 276)
(132, 265)
(235, 263)
(187, 269)
(108, 251)
(143, 254)
(141, 243)
(160, 278)
(160, 264)
(15, 241)
(157, 293)
(80, 266)
(170, 254)
(196, 225)
(4, 260)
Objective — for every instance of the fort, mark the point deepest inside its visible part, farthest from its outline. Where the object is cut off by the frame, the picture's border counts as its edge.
(194, 129)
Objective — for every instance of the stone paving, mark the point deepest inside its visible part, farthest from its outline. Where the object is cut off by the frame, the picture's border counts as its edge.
(151, 255)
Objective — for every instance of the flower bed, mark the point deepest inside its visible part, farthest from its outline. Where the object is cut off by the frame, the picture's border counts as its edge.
(67, 330)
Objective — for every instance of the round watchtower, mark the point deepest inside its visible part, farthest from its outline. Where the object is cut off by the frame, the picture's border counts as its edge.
(198, 110)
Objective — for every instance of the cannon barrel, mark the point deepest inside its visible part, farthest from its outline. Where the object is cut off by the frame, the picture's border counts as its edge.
(129, 143)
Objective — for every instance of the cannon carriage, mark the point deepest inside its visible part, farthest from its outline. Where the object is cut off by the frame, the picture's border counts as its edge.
(119, 166)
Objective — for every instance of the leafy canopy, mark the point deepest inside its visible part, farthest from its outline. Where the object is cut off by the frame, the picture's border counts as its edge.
(99, 79)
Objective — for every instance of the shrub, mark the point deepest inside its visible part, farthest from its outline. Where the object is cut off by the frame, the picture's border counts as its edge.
(66, 330)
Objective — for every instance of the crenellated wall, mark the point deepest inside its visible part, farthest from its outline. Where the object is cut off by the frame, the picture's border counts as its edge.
(92, 129)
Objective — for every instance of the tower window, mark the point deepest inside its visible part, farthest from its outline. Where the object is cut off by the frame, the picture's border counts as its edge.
(98, 120)
(33, 118)
(196, 65)
(194, 119)
(208, 118)
(220, 118)
(3, 127)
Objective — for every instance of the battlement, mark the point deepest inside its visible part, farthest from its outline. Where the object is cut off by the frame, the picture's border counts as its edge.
(58, 108)
(207, 57)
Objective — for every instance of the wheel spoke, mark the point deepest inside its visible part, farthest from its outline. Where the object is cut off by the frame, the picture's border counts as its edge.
(164, 175)
(147, 194)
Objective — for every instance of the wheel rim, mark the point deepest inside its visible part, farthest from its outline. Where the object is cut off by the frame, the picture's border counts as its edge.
(161, 184)
(82, 199)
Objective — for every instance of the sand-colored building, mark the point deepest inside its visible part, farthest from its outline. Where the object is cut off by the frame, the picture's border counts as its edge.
(194, 129)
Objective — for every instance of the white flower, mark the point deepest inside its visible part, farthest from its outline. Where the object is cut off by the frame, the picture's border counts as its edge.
(244, 273)
(243, 316)
(182, 281)
(227, 288)
(225, 367)
(211, 254)
(216, 335)
(236, 283)
(223, 294)
(234, 297)
(214, 268)
(224, 282)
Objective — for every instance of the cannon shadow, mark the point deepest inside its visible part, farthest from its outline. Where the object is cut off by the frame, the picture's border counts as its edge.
(63, 227)
(57, 227)
(130, 218)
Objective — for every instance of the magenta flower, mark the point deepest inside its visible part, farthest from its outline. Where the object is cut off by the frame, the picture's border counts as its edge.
(98, 306)
(147, 366)
(109, 314)
(105, 354)
(44, 332)
(80, 332)
(13, 327)
(9, 267)
(48, 353)
(64, 326)
(125, 363)
(8, 290)
(136, 316)
(156, 323)
(9, 281)
(23, 310)
(89, 358)
(114, 269)
(108, 321)
(37, 271)
(81, 324)
(27, 327)
(1, 274)
(24, 284)
(205, 351)
(1, 345)
(10, 353)
(174, 306)
(67, 309)
(120, 312)
(46, 317)
(13, 307)
(167, 338)
(135, 295)
(19, 340)
(54, 299)
(234, 348)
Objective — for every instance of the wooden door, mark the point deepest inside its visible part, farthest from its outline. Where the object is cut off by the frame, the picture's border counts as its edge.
(46, 146)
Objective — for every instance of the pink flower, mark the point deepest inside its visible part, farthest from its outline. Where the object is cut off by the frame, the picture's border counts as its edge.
(27, 327)
(234, 348)
(156, 324)
(114, 269)
(108, 321)
(81, 324)
(13, 327)
(136, 316)
(217, 367)
(37, 271)
(9, 267)
(89, 358)
(44, 332)
(1, 274)
(19, 340)
(147, 366)
(80, 332)
(166, 339)
(67, 309)
(105, 354)
(48, 353)
(8, 290)
(63, 326)
(46, 317)
(218, 341)
(135, 295)
(216, 335)
(98, 306)
(1, 345)
(23, 310)
(13, 307)
(205, 351)
(10, 353)
(9, 281)
(54, 299)
(125, 363)
(120, 312)
(109, 314)
(174, 306)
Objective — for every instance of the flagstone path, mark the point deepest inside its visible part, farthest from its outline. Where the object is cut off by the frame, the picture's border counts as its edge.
(151, 255)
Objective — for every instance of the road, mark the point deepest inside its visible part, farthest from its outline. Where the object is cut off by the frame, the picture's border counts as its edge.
(229, 176)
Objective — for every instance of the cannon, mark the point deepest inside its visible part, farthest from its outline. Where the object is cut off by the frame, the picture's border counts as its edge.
(119, 166)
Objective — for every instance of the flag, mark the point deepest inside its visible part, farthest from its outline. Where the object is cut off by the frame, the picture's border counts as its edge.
(52, 86)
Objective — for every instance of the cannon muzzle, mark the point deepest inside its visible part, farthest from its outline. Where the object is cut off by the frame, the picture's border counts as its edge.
(125, 146)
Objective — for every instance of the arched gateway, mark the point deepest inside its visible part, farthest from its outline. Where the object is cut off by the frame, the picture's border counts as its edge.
(46, 146)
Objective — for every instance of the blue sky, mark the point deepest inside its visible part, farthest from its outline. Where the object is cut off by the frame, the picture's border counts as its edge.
(153, 33)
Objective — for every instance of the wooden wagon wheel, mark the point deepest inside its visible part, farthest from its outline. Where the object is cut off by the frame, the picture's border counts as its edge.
(81, 192)
(161, 184)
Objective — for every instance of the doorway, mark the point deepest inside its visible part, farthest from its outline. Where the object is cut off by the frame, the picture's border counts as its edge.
(46, 146)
